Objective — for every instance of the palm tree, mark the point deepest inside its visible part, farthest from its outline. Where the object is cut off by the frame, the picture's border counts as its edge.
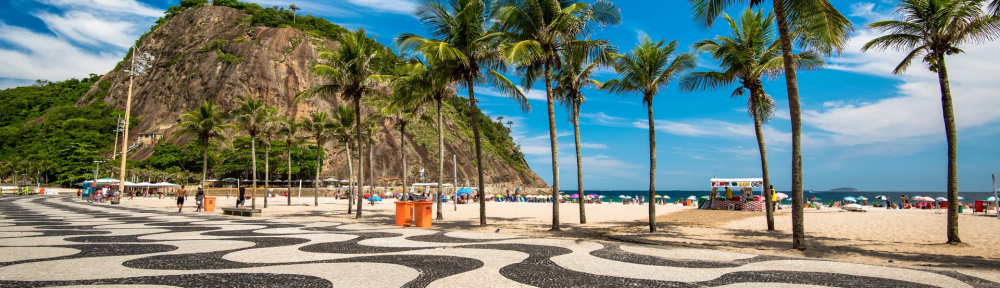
(351, 72)
(429, 82)
(253, 117)
(573, 75)
(995, 8)
(933, 29)
(206, 123)
(289, 132)
(403, 113)
(270, 131)
(293, 8)
(463, 34)
(372, 132)
(747, 55)
(341, 129)
(814, 25)
(320, 126)
(644, 70)
(535, 32)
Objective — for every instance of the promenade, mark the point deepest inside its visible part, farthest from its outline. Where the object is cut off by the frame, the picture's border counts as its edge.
(61, 241)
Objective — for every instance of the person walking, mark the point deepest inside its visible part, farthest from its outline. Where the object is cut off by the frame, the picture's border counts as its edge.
(243, 193)
(200, 198)
(180, 198)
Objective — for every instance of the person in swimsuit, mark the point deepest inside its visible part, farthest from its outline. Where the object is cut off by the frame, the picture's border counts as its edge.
(180, 199)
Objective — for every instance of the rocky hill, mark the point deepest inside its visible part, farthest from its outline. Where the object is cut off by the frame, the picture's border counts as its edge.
(214, 53)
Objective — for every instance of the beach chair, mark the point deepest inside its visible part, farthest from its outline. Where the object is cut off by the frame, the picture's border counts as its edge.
(980, 207)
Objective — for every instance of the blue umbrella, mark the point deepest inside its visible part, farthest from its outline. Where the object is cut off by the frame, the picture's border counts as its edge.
(961, 198)
(850, 199)
(464, 191)
(991, 199)
(880, 197)
(376, 198)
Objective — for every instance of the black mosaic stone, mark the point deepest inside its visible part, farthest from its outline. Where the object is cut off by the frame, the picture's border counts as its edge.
(193, 280)
(615, 253)
(440, 237)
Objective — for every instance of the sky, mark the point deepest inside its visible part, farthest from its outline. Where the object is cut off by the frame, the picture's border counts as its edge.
(863, 127)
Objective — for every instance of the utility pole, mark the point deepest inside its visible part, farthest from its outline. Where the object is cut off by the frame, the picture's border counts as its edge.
(455, 186)
(118, 128)
(136, 69)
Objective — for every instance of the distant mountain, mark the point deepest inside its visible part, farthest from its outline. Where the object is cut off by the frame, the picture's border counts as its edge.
(845, 189)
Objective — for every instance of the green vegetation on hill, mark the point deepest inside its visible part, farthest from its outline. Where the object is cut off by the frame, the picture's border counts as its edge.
(41, 130)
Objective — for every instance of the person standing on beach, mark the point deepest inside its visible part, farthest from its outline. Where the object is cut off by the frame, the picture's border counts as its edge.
(243, 194)
(180, 198)
(774, 198)
(199, 198)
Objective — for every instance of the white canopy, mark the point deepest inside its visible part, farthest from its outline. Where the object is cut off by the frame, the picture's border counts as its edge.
(165, 184)
(429, 184)
(738, 182)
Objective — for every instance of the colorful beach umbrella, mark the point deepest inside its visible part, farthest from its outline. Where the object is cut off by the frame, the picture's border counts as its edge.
(941, 199)
(692, 198)
(991, 199)
(880, 197)
(781, 196)
(850, 199)
(862, 198)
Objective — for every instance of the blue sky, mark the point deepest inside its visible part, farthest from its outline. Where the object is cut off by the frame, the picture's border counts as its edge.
(863, 127)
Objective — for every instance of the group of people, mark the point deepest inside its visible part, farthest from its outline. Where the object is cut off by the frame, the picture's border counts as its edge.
(199, 198)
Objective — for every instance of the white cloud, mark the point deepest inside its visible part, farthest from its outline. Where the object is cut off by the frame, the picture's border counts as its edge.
(87, 28)
(130, 7)
(868, 11)
(722, 129)
(39, 56)
(601, 118)
(534, 94)
(640, 34)
(310, 7)
(392, 6)
(594, 145)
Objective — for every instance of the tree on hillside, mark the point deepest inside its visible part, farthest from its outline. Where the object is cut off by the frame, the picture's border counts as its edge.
(748, 55)
(534, 33)
(206, 123)
(253, 117)
(293, 8)
(463, 33)
(270, 131)
(320, 126)
(342, 129)
(812, 25)
(930, 30)
(573, 75)
(351, 72)
(646, 69)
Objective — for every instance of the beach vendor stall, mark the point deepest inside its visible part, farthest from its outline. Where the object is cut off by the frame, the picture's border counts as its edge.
(735, 194)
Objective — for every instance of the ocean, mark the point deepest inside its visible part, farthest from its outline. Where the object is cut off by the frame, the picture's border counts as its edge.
(824, 196)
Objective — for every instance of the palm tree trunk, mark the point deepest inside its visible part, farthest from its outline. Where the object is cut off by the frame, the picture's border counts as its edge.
(795, 109)
(351, 183)
(361, 160)
(319, 161)
(479, 151)
(204, 160)
(763, 167)
(579, 161)
(371, 171)
(951, 132)
(267, 170)
(652, 166)
(440, 206)
(253, 156)
(289, 144)
(555, 148)
(402, 151)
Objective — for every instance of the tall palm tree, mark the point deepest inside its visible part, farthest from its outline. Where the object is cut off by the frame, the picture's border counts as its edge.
(573, 75)
(320, 126)
(289, 132)
(343, 122)
(404, 112)
(813, 25)
(206, 123)
(646, 69)
(351, 71)
(463, 33)
(748, 55)
(253, 117)
(372, 132)
(932, 29)
(428, 82)
(293, 8)
(270, 131)
(534, 33)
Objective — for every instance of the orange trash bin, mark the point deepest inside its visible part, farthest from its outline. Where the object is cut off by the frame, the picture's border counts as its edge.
(210, 204)
(404, 213)
(422, 213)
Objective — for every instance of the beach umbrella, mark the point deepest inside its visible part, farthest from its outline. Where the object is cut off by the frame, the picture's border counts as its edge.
(692, 198)
(850, 199)
(880, 197)
(991, 199)
(961, 198)
(464, 191)
(862, 198)
(600, 196)
(657, 196)
(593, 195)
(621, 196)
(941, 199)
(666, 197)
(575, 196)
(780, 196)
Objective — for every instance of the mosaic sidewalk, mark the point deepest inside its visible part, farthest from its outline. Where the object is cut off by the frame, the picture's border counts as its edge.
(48, 241)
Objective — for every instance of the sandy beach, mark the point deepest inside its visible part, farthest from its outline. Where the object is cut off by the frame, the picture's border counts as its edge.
(906, 237)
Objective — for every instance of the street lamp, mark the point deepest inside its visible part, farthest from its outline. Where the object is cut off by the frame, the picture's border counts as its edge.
(139, 67)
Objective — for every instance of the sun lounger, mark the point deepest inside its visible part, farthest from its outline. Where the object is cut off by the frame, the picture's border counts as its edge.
(854, 208)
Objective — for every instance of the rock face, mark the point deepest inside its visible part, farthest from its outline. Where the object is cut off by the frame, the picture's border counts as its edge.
(189, 68)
